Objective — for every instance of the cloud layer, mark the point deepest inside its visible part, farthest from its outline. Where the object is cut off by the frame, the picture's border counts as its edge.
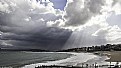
(23, 24)
(96, 22)
(32, 24)
(79, 12)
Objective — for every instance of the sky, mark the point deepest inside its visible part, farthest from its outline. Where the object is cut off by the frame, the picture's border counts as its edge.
(59, 4)
(59, 24)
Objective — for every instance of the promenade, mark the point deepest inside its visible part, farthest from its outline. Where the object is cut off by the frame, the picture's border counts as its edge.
(83, 66)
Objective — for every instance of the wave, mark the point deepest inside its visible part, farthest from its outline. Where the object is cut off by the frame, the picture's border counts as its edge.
(74, 60)
(23, 58)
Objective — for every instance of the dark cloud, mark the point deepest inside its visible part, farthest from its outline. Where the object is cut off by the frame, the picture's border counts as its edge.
(48, 38)
(25, 26)
(28, 24)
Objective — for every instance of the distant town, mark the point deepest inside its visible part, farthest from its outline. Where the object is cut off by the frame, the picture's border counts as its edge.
(107, 47)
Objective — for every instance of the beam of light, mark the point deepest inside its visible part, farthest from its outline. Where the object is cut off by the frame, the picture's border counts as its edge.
(84, 37)
(78, 38)
(74, 40)
(30, 16)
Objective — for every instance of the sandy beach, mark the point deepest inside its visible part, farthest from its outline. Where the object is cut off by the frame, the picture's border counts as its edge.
(76, 60)
(115, 56)
(61, 58)
(104, 58)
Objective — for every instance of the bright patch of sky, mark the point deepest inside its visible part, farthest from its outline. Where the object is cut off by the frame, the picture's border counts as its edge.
(38, 23)
(59, 4)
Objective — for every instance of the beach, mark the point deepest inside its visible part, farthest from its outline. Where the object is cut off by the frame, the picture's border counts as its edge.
(103, 60)
(114, 56)
(20, 59)
(34, 59)
(76, 60)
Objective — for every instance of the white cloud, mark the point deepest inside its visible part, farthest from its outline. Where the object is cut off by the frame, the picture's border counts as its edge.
(112, 34)
(4, 7)
(86, 18)
(6, 44)
(91, 22)
(29, 15)
(78, 12)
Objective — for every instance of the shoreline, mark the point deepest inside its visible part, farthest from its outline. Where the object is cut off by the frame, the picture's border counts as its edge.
(74, 59)
(103, 57)
(114, 56)
(71, 61)
(37, 64)
(34, 61)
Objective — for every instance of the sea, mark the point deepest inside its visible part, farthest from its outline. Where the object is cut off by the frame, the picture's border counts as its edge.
(34, 59)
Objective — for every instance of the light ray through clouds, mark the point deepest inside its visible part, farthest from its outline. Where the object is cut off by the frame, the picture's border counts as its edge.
(40, 24)
(97, 30)
(23, 24)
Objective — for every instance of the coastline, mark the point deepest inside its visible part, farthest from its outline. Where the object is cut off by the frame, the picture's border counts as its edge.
(35, 58)
(75, 60)
(113, 55)
(100, 60)
(46, 63)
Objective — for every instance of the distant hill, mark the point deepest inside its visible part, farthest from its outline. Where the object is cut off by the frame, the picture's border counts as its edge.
(107, 47)
(32, 50)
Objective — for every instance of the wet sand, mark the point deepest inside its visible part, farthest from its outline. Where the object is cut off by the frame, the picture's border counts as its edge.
(115, 56)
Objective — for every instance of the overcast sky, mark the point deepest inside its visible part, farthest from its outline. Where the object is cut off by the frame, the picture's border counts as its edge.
(59, 24)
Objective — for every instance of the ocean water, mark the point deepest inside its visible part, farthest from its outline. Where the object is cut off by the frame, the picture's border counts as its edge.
(33, 59)
(13, 59)
(76, 60)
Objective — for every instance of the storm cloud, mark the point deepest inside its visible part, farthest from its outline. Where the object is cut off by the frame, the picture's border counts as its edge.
(37, 25)
(24, 25)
